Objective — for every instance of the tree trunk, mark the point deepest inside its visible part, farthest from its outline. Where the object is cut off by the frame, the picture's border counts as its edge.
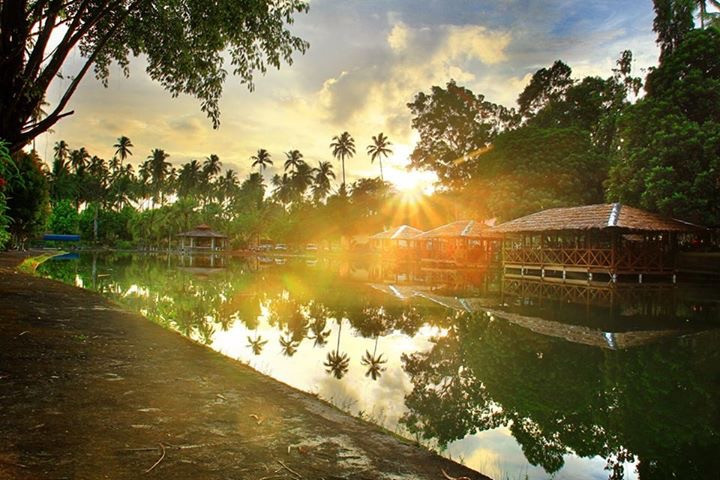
(95, 223)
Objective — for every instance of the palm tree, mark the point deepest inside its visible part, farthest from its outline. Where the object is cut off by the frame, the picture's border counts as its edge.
(343, 146)
(227, 186)
(261, 159)
(294, 159)
(189, 178)
(378, 149)
(211, 167)
(122, 148)
(283, 192)
(374, 362)
(321, 186)
(159, 171)
(62, 150)
(337, 363)
(79, 160)
(301, 179)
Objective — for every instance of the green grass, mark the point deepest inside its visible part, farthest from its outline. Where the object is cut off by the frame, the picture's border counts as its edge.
(29, 265)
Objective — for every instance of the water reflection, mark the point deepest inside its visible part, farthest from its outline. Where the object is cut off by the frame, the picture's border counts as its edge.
(595, 382)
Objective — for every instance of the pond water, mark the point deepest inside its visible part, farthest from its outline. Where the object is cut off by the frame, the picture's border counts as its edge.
(514, 378)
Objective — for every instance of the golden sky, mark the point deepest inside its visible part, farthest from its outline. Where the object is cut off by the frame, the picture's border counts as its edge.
(367, 60)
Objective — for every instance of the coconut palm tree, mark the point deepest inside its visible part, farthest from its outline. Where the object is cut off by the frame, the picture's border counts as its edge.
(122, 148)
(374, 362)
(62, 151)
(159, 172)
(227, 186)
(79, 160)
(211, 167)
(301, 179)
(378, 149)
(337, 363)
(189, 178)
(293, 159)
(343, 146)
(261, 159)
(283, 192)
(321, 186)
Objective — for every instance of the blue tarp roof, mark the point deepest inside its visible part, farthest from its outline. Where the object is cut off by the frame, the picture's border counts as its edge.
(56, 237)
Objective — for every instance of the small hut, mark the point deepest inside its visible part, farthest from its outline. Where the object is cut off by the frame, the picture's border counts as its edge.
(202, 238)
(606, 240)
(398, 241)
(464, 243)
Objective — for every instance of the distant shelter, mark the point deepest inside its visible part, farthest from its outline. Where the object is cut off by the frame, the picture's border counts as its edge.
(463, 243)
(202, 238)
(605, 242)
(398, 241)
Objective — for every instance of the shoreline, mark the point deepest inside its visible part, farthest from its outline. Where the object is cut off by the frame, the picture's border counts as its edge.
(93, 390)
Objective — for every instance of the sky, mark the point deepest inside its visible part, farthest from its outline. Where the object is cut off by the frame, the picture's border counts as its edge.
(367, 59)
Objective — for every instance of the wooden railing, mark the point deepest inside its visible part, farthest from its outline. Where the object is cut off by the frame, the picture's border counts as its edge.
(592, 257)
(629, 259)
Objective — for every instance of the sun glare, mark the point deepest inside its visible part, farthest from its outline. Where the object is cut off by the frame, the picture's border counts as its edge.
(413, 183)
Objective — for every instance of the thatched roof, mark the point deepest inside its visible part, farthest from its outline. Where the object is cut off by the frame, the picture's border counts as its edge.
(202, 231)
(459, 229)
(403, 232)
(595, 217)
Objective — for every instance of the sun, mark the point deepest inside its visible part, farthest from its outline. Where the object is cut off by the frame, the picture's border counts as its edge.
(413, 184)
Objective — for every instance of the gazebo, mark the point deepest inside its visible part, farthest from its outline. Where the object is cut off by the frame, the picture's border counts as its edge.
(201, 238)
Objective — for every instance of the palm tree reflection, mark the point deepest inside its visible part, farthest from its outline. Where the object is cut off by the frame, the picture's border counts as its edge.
(318, 315)
(256, 344)
(337, 363)
(374, 362)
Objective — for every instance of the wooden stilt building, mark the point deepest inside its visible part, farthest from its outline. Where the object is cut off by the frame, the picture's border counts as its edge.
(606, 242)
(465, 243)
(398, 242)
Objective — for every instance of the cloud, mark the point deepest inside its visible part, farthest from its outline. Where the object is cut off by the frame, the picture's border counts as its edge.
(366, 62)
(398, 37)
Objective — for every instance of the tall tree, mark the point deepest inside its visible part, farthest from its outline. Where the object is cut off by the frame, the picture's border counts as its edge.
(343, 146)
(158, 172)
(185, 43)
(668, 152)
(673, 21)
(261, 159)
(321, 185)
(293, 159)
(211, 167)
(378, 149)
(455, 126)
(122, 148)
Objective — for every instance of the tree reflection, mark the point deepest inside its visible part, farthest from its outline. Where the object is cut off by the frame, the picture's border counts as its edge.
(318, 322)
(558, 397)
(288, 345)
(256, 344)
(374, 362)
(337, 363)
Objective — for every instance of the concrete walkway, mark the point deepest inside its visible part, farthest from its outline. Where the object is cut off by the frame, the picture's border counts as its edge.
(90, 391)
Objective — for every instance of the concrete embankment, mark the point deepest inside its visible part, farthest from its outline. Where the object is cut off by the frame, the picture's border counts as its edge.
(89, 390)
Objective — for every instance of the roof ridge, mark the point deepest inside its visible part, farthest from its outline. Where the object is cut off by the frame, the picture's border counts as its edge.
(614, 216)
